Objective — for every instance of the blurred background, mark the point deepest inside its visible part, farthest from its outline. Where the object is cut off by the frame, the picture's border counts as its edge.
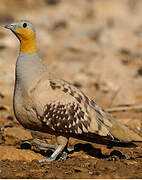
(94, 44)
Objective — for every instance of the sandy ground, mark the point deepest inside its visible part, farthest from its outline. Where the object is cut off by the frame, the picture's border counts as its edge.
(94, 44)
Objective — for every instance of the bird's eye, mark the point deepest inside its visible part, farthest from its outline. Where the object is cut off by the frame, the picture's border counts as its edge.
(24, 25)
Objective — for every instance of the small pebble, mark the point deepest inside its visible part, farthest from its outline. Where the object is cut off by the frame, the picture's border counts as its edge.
(97, 173)
(78, 169)
(138, 128)
(52, 2)
(91, 173)
(10, 118)
(26, 145)
(2, 128)
(112, 158)
(118, 154)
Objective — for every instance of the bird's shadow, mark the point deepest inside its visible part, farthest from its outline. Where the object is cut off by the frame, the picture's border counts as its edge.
(90, 150)
(46, 153)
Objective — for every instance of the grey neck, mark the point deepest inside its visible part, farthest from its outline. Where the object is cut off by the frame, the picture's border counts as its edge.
(28, 68)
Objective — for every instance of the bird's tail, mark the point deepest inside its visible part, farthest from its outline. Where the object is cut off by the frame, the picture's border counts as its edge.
(124, 134)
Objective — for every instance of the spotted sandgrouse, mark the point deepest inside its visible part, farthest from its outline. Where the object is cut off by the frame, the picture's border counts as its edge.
(45, 103)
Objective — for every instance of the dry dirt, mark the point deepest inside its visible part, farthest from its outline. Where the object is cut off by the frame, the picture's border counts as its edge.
(96, 45)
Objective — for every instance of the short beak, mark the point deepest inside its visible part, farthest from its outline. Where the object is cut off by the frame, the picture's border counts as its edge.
(10, 26)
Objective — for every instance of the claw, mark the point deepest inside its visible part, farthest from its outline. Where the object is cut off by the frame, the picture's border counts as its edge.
(64, 155)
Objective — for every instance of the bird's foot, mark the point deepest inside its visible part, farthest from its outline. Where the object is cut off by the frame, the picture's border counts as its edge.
(63, 156)
(50, 159)
(59, 153)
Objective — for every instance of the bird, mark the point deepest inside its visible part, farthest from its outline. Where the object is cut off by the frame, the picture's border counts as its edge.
(46, 103)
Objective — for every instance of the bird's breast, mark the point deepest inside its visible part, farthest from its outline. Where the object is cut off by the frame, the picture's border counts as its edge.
(24, 112)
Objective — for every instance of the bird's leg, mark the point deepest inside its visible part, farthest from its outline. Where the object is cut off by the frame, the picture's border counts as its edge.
(54, 155)
(50, 146)
(39, 136)
(62, 144)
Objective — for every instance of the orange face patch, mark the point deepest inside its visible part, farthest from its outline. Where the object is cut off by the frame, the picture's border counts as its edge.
(27, 38)
(25, 33)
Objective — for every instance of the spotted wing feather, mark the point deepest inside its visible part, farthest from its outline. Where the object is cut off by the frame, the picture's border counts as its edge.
(67, 118)
(80, 116)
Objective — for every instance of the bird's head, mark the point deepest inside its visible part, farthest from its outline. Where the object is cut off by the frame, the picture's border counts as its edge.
(25, 32)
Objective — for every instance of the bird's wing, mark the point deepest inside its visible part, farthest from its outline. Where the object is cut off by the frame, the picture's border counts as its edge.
(66, 109)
